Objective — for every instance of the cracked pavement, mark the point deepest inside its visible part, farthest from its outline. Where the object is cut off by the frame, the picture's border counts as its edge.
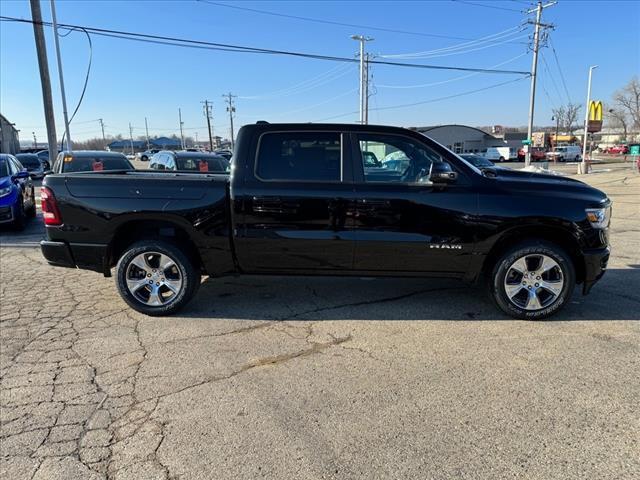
(319, 378)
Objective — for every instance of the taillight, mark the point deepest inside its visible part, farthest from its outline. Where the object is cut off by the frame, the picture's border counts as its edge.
(50, 210)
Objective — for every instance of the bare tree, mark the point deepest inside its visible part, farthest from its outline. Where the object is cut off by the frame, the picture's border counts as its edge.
(618, 119)
(628, 99)
(572, 110)
(559, 114)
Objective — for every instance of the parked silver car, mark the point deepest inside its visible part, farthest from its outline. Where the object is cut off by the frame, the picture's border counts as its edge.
(189, 162)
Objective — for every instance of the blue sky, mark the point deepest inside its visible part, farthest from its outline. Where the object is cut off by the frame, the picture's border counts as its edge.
(130, 80)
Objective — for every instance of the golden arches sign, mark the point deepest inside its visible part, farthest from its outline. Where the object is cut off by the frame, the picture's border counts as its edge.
(595, 116)
(595, 111)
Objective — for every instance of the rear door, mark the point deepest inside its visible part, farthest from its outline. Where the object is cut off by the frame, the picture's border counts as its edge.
(293, 208)
(403, 223)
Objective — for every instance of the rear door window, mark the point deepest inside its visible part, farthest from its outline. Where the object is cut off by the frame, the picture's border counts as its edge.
(300, 156)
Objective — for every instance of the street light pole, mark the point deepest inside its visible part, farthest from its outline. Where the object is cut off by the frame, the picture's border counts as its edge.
(181, 132)
(582, 169)
(60, 74)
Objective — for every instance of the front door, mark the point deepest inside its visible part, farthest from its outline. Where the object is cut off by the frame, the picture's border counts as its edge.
(403, 223)
(294, 206)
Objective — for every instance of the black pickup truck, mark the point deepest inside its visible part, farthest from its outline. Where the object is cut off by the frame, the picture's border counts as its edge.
(330, 199)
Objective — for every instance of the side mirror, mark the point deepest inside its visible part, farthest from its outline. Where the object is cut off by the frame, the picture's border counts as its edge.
(442, 173)
(21, 174)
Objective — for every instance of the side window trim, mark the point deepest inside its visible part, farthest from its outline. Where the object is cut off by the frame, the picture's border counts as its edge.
(342, 174)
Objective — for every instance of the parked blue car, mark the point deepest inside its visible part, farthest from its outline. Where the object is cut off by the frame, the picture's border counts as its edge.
(17, 195)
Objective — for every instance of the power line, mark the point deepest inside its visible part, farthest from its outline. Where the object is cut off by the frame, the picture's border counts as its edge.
(432, 100)
(487, 6)
(181, 42)
(464, 45)
(455, 79)
(564, 83)
(332, 22)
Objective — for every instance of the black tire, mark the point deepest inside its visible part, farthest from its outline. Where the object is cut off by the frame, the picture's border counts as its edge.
(19, 219)
(184, 266)
(577, 158)
(501, 159)
(564, 270)
(144, 158)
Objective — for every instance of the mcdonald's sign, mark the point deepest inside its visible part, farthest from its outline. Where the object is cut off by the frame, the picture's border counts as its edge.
(595, 116)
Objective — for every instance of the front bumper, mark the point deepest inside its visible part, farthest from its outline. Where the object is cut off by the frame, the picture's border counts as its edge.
(595, 264)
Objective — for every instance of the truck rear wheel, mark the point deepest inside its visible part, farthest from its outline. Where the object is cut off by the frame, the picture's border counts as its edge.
(533, 280)
(156, 278)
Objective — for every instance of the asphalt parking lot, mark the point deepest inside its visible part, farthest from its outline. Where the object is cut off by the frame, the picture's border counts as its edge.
(320, 378)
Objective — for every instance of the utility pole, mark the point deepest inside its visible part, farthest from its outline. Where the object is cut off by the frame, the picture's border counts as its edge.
(231, 109)
(104, 140)
(366, 89)
(534, 71)
(35, 142)
(131, 136)
(61, 75)
(181, 132)
(363, 78)
(207, 113)
(146, 129)
(582, 169)
(45, 81)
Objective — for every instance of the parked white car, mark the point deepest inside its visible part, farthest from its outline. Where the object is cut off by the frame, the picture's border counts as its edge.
(565, 153)
(501, 154)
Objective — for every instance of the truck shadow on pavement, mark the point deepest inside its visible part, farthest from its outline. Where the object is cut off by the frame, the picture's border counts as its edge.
(615, 297)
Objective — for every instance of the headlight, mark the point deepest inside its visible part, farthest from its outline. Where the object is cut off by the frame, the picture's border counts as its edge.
(5, 191)
(599, 217)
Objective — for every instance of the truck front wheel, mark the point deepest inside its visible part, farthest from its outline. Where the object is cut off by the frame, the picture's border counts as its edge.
(156, 278)
(533, 280)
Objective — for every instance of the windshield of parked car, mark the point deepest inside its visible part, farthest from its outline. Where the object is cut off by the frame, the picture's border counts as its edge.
(561, 149)
(94, 164)
(30, 162)
(202, 163)
(4, 168)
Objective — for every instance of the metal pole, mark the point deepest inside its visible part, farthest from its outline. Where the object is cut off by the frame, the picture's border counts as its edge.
(35, 141)
(146, 129)
(366, 90)
(534, 70)
(208, 115)
(583, 165)
(231, 109)
(61, 75)
(181, 132)
(45, 81)
(131, 136)
(104, 140)
(363, 79)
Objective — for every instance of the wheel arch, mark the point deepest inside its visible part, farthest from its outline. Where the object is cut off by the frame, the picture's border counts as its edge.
(556, 235)
(134, 230)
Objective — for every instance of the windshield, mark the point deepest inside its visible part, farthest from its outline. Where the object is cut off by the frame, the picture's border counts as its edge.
(30, 162)
(4, 169)
(199, 163)
(94, 164)
(561, 149)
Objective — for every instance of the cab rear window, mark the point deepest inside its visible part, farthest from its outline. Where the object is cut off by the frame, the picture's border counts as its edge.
(94, 164)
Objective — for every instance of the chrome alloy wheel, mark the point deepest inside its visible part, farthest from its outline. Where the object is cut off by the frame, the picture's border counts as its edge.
(154, 279)
(533, 282)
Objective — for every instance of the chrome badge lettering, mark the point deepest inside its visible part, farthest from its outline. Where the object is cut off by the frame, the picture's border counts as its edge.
(445, 246)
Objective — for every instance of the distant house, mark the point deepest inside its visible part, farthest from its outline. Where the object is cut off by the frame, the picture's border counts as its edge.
(125, 146)
(165, 143)
(461, 138)
(8, 137)
(160, 143)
